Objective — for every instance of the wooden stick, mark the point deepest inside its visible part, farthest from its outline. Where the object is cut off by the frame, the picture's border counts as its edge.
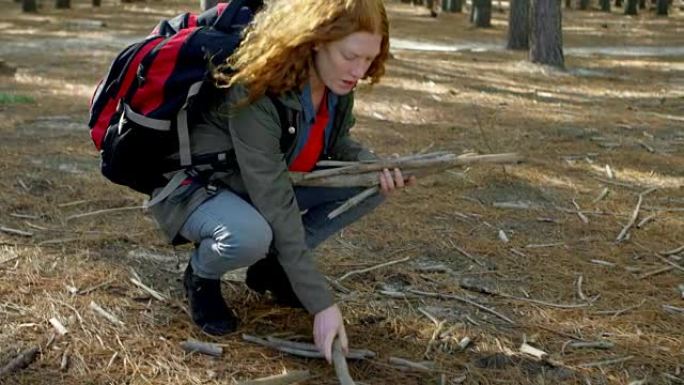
(280, 379)
(191, 346)
(360, 271)
(58, 326)
(676, 266)
(644, 221)
(532, 351)
(657, 271)
(464, 300)
(340, 364)
(581, 216)
(623, 233)
(64, 362)
(606, 362)
(673, 251)
(308, 351)
(148, 289)
(602, 195)
(110, 317)
(465, 253)
(353, 201)
(104, 211)
(21, 361)
(311, 347)
(423, 366)
(15, 232)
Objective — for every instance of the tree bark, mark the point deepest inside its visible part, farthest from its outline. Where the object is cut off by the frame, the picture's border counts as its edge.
(568, 4)
(631, 8)
(605, 5)
(642, 4)
(481, 14)
(206, 4)
(30, 6)
(584, 5)
(452, 6)
(618, 3)
(97, 3)
(546, 35)
(661, 7)
(519, 25)
(63, 4)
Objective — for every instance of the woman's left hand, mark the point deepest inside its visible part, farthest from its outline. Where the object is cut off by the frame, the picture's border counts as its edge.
(392, 180)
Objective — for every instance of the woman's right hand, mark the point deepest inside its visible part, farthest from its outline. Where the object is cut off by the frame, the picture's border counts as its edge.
(328, 324)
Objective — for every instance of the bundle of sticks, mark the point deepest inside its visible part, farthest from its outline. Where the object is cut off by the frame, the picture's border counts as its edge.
(365, 173)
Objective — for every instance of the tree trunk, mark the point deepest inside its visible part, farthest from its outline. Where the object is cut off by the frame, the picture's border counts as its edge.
(605, 5)
(97, 3)
(546, 35)
(631, 8)
(63, 4)
(519, 25)
(481, 14)
(568, 4)
(618, 3)
(206, 4)
(29, 6)
(584, 5)
(642, 4)
(661, 7)
(452, 5)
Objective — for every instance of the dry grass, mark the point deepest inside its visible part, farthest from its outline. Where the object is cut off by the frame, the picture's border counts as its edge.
(627, 113)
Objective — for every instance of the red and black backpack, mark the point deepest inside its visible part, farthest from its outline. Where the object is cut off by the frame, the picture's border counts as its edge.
(139, 111)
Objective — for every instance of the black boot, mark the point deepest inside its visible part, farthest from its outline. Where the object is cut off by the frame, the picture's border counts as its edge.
(207, 307)
(268, 275)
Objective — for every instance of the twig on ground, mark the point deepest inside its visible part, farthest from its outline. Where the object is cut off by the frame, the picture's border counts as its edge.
(64, 361)
(207, 348)
(673, 251)
(532, 351)
(15, 231)
(95, 287)
(580, 293)
(646, 220)
(657, 271)
(58, 326)
(303, 349)
(360, 271)
(623, 233)
(353, 201)
(24, 359)
(464, 300)
(676, 266)
(280, 379)
(616, 313)
(581, 216)
(611, 361)
(10, 259)
(673, 309)
(337, 286)
(602, 195)
(465, 253)
(438, 328)
(587, 345)
(602, 262)
(104, 211)
(110, 317)
(404, 363)
(340, 364)
(148, 289)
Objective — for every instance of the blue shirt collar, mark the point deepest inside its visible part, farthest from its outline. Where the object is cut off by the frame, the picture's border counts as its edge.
(307, 104)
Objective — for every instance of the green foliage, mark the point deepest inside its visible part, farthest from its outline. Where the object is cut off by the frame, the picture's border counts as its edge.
(6, 98)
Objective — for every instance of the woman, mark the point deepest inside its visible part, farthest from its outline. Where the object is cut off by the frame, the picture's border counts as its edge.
(310, 54)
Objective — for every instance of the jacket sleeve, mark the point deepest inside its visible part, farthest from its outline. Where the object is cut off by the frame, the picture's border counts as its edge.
(346, 148)
(255, 135)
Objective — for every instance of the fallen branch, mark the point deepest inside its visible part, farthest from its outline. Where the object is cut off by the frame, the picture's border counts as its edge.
(360, 271)
(104, 211)
(676, 266)
(673, 251)
(302, 349)
(110, 317)
(148, 289)
(58, 326)
(623, 233)
(426, 366)
(464, 300)
(280, 379)
(587, 345)
(606, 362)
(21, 361)
(353, 201)
(15, 232)
(340, 363)
(539, 354)
(191, 346)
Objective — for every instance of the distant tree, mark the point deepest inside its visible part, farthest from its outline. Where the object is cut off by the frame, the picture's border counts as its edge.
(618, 3)
(631, 8)
(661, 7)
(519, 25)
(452, 5)
(97, 3)
(605, 5)
(206, 4)
(642, 4)
(63, 4)
(584, 5)
(481, 13)
(29, 6)
(546, 35)
(568, 4)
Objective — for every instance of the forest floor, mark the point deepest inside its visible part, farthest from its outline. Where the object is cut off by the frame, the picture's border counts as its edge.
(594, 136)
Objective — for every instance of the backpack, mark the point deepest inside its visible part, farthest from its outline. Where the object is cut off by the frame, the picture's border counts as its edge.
(139, 111)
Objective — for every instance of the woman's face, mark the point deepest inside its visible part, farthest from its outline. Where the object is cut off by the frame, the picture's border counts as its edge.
(341, 63)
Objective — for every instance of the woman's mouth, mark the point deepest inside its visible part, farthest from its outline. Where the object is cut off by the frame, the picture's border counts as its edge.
(349, 83)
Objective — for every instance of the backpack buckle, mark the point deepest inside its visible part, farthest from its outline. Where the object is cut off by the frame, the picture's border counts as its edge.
(212, 189)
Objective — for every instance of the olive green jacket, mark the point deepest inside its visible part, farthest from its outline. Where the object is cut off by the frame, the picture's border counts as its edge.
(253, 132)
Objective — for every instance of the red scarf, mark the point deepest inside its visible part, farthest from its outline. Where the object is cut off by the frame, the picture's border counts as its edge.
(308, 155)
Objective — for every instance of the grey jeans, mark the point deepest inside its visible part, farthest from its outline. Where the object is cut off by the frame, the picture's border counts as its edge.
(229, 232)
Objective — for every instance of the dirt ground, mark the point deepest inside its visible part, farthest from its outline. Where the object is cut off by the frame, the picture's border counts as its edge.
(539, 238)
